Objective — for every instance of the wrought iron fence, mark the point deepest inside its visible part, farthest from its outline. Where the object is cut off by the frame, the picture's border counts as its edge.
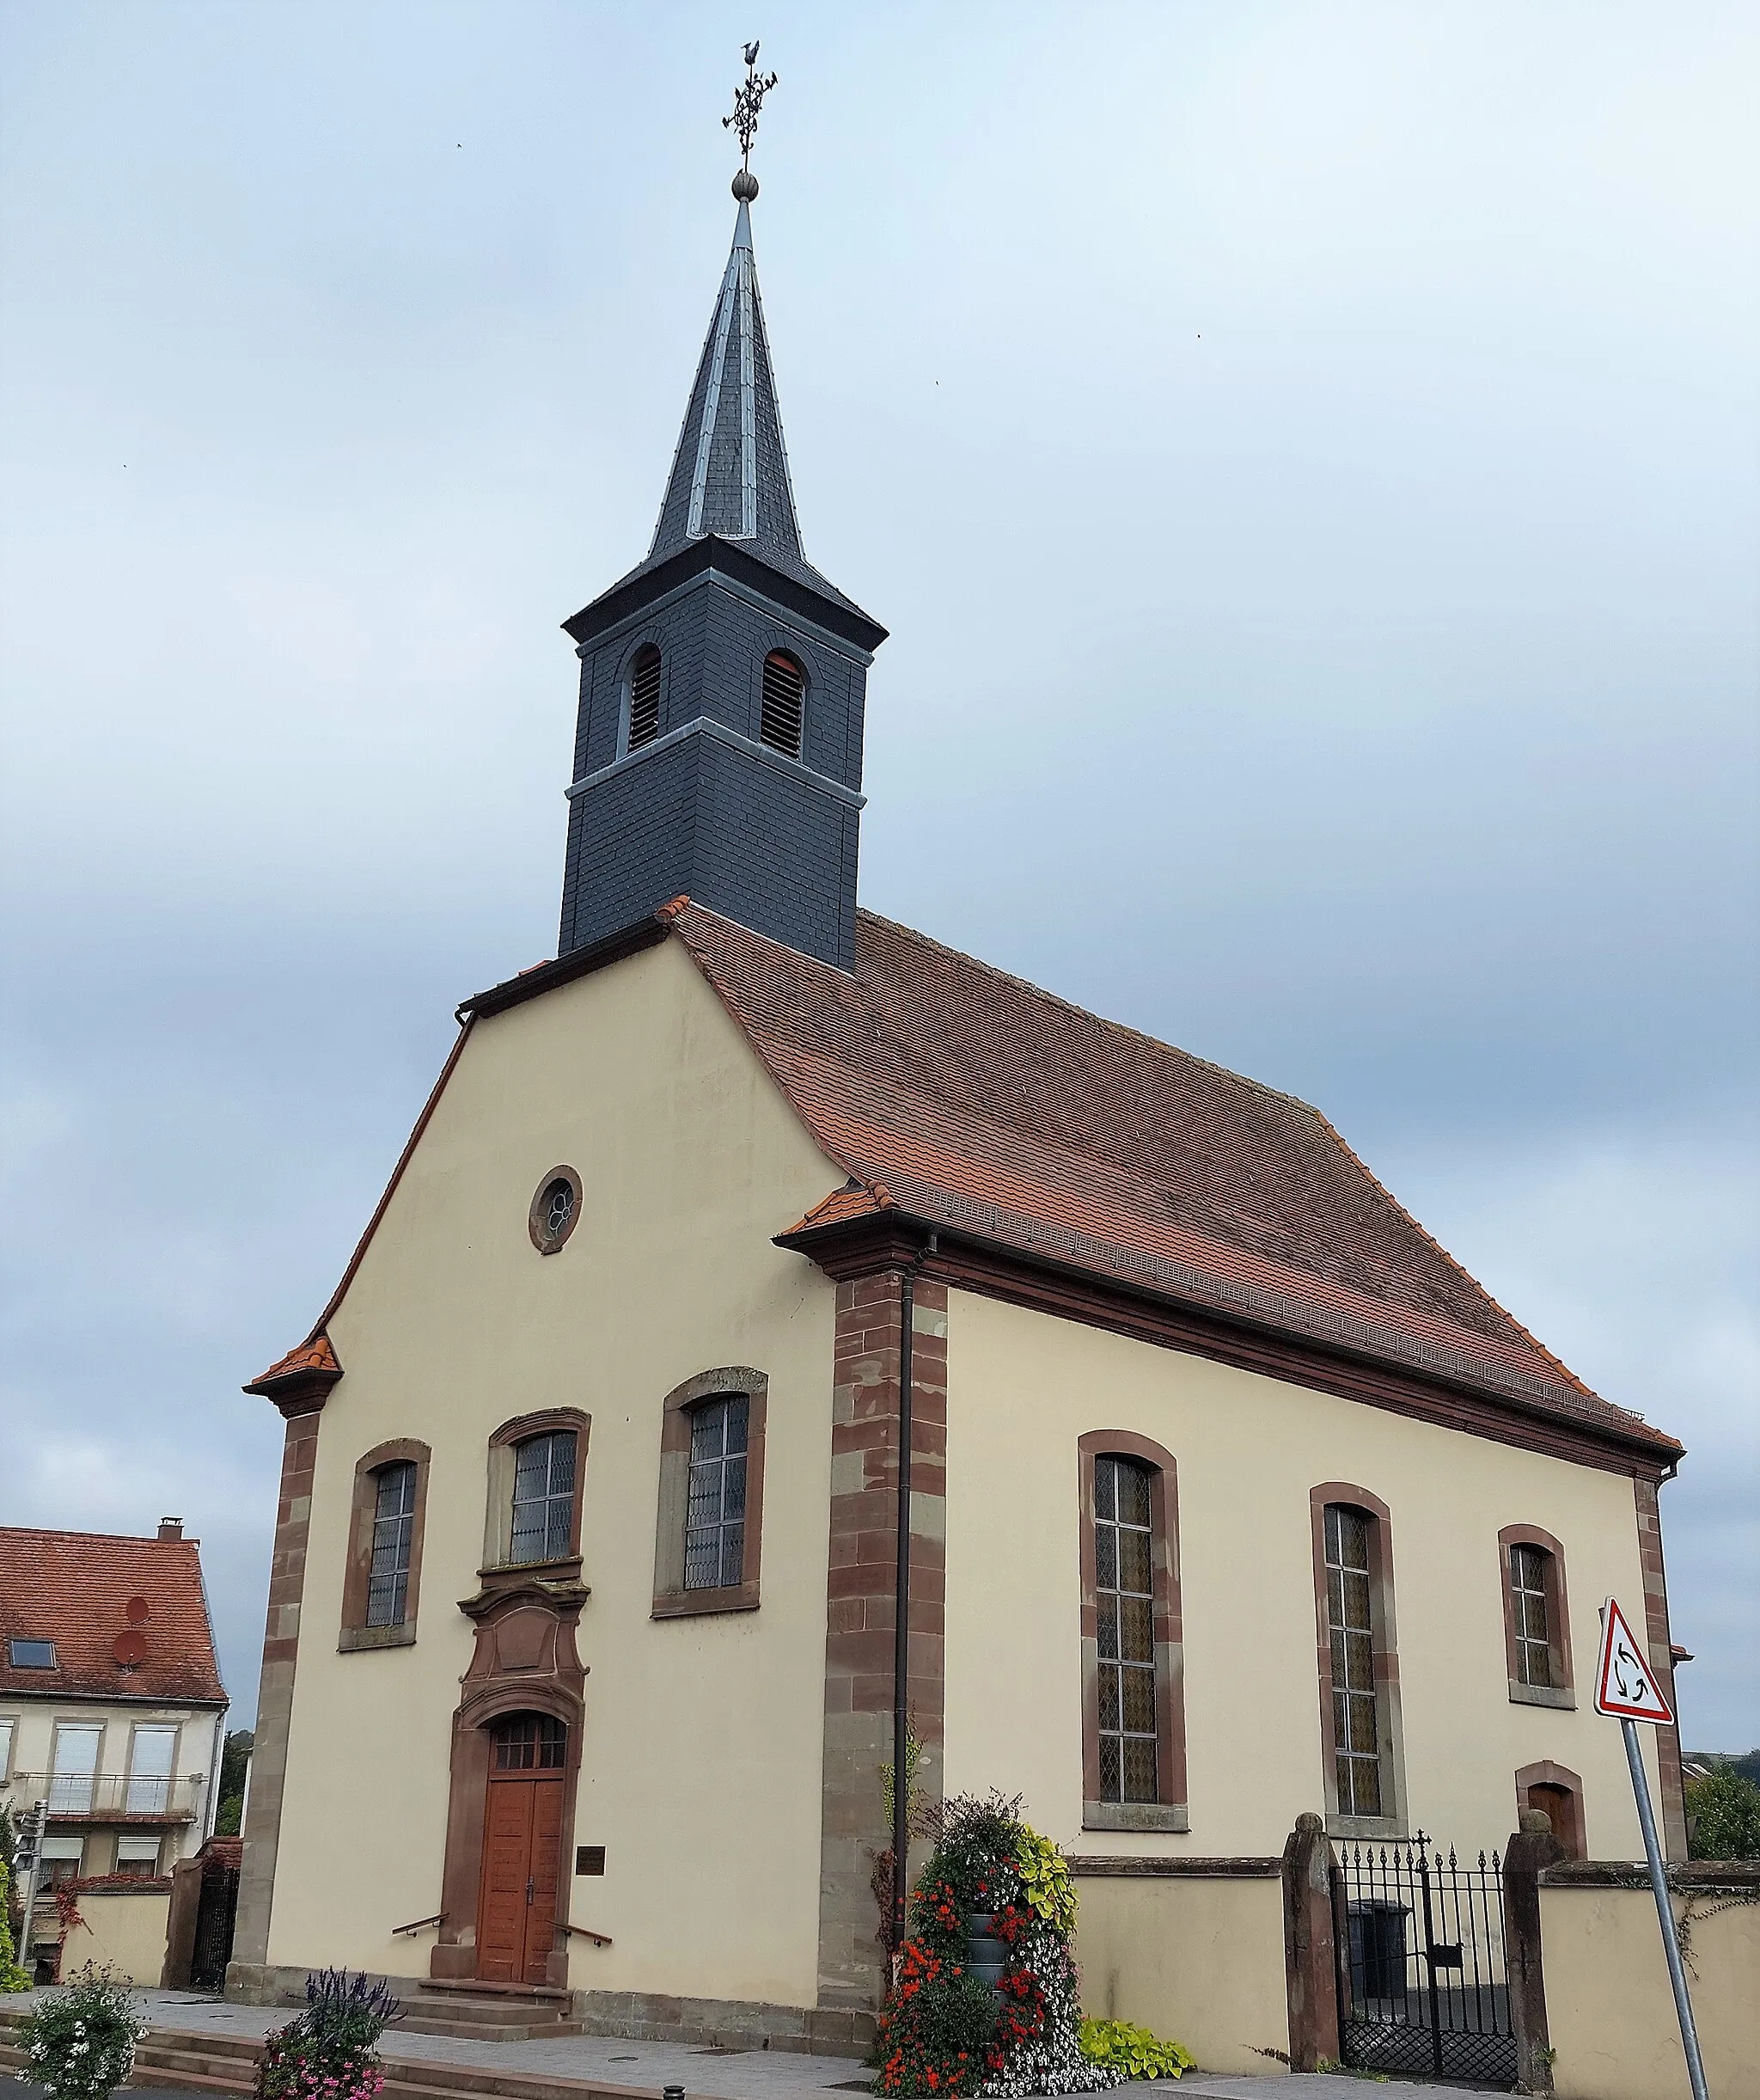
(1423, 1982)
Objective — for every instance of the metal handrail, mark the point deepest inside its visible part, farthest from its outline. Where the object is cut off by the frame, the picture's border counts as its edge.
(580, 1931)
(439, 1918)
(113, 1793)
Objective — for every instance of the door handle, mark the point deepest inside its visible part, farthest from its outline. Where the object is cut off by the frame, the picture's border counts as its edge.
(530, 1888)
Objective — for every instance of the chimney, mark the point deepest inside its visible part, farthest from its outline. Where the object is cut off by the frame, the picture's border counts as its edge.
(170, 1527)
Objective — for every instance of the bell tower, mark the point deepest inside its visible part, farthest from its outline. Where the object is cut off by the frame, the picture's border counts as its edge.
(718, 750)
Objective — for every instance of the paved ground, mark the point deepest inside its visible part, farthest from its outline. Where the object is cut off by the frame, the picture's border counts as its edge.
(739, 2074)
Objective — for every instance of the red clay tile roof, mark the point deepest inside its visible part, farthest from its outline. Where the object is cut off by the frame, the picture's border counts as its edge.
(74, 1588)
(983, 1105)
(314, 1353)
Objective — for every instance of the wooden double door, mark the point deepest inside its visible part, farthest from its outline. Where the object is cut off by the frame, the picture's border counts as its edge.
(522, 1872)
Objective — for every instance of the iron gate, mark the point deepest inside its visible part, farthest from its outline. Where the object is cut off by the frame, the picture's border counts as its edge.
(215, 1913)
(1421, 1982)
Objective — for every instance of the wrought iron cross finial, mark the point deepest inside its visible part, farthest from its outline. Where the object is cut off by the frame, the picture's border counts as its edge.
(747, 100)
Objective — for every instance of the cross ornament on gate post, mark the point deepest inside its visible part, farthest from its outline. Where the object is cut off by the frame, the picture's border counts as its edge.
(1626, 1691)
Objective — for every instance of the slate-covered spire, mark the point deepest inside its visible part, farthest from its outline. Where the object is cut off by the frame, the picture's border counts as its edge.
(729, 474)
(719, 748)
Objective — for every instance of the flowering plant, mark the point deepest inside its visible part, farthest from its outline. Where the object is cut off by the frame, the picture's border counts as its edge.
(943, 2031)
(328, 2053)
(80, 2043)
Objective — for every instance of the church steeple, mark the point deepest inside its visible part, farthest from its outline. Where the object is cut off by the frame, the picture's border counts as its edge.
(719, 748)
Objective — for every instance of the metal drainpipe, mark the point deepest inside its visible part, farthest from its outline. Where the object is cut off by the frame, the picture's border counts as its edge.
(901, 1599)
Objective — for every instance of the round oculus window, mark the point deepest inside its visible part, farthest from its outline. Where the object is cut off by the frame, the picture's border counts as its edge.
(555, 1208)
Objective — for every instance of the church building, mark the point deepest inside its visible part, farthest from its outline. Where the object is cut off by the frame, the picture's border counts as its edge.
(1230, 1495)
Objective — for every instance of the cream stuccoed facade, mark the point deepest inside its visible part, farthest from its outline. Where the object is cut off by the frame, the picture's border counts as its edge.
(723, 1764)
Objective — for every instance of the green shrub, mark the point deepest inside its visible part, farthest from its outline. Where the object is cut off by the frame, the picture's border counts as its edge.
(1724, 1811)
(80, 2043)
(12, 1977)
(1132, 2050)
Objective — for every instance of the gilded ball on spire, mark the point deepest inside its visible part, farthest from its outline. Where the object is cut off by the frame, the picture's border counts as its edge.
(745, 186)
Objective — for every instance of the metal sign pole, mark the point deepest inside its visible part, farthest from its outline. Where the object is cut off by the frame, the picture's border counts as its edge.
(1664, 1911)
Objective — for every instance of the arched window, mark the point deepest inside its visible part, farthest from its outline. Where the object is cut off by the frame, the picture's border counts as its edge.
(1536, 1616)
(394, 1533)
(543, 1496)
(715, 1516)
(1133, 1755)
(785, 692)
(1125, 1611)
(529, 1742)
(1359, 1660)
(381, 1583)
(710, 1536)
(644, 697)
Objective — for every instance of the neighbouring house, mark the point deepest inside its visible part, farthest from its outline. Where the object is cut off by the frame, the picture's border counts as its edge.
(112, 1719)
(1231, 1496)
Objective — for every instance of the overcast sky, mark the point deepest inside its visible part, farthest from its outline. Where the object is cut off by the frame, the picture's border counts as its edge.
(1305, 455)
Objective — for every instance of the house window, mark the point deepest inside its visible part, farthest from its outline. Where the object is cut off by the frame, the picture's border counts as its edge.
(1536, 1620)
(785, 692)
(151, 1753)
(543, 1497)
(382, 1584)
(644, 697)
(394, 1529)
(710, 1530)
(59, 1861)
(715, 1521)
(529, 1742)
(1132, 1719)
(1125, 1607)
(556, 1210)
(1356, 1705)
(7, 1728)
(74, 1773)
(32, 1655)
(138, 1858)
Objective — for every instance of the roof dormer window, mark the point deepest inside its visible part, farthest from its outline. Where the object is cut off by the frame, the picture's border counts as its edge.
(785, 689)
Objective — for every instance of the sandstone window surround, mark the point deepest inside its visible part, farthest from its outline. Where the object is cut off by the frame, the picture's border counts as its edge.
(1536, 1626)
(1169, 1809)
(386, 1466)
(673, 1599)
(502, 1550)
(1359, 1661)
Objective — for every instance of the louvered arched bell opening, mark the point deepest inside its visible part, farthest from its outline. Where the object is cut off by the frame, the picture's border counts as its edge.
(644, 697)
(785, 691)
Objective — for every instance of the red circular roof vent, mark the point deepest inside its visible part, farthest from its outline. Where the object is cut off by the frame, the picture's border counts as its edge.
(136, 1611)
(130, 1648)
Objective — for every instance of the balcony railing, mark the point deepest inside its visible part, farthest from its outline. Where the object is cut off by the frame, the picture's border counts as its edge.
(112, 1796)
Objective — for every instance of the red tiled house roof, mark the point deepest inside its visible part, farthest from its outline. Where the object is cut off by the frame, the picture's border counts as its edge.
(983, 1108)
(74, 1588)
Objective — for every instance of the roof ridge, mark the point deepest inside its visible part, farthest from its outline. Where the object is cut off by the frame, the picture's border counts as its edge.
(1087, 1014)
(62, 1531)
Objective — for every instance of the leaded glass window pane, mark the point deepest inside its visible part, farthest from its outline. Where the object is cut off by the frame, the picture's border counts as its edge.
(393, 1523)
(1527, 1577)
(1125, 1614)
(530, 1742)
(1356, 1707)
(543, 1496)
(715, 1512)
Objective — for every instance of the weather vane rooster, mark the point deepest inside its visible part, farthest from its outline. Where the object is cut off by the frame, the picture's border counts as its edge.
(747, 100)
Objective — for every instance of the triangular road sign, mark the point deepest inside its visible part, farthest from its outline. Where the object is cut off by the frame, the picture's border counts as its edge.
(1625, 1686)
